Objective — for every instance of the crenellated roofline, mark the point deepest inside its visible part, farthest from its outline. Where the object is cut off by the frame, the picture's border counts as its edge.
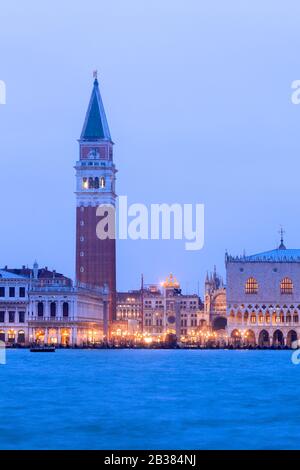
(279, 255)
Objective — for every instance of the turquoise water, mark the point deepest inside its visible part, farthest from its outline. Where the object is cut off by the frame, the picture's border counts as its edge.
(149, 399)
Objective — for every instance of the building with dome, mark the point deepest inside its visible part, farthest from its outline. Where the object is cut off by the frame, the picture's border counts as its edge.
(263, 297)
(160, 310)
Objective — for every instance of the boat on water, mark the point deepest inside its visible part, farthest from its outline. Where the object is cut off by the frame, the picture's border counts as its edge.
(42, 349)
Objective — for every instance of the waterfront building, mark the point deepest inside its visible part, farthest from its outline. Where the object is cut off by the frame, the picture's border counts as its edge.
(263, 297)
(43, 306)
(14, 302)
(95, 186)
(39, 305)
(161, 310)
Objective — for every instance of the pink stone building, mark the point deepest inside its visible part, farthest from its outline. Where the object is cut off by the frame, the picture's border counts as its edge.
(263, 297)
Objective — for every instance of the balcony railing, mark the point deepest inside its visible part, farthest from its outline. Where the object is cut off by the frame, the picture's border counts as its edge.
(51, 319)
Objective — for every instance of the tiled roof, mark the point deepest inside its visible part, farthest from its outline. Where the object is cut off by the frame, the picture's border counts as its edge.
(8, 275)
(43, 273)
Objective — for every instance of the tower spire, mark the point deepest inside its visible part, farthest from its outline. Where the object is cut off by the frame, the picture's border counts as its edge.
(95, 186)
(95, 126)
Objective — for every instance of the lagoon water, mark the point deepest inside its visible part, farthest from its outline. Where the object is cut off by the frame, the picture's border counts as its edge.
(150, 399)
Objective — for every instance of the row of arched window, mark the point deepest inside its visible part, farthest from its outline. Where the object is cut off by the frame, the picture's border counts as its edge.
(12, 336)
(286, 286)
(93, 183)
(264, 316)
(53, 309)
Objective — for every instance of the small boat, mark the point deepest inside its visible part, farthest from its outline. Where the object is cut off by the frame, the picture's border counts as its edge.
(42, 349)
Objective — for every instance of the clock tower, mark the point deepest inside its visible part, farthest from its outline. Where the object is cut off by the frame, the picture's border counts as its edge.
(95, 186)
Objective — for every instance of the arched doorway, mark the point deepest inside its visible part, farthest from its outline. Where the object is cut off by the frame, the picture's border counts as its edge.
(278, 339)
(40, 336)
(11, 336)
(264, 339)
(52, 336)
(21, 337)
(236, 338)
(219, 323)
(250, 338)
(65, 337)
(291, 337)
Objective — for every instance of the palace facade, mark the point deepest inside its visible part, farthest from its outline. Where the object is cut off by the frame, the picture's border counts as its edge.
(263, 297)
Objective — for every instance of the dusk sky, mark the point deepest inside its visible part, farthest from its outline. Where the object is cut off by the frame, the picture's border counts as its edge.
(198, 100)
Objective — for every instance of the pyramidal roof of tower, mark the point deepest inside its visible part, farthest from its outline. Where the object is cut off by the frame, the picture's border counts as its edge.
(95, 125)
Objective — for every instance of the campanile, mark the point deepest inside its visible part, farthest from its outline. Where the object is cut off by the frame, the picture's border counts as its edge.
(95, 186)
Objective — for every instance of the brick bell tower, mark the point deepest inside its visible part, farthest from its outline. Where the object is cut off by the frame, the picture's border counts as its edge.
(95, 185)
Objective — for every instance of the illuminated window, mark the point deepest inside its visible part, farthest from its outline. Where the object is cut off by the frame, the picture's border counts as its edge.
(251, 286)
(11, 336)
(286, 286)
(85, 184)
(102, 182)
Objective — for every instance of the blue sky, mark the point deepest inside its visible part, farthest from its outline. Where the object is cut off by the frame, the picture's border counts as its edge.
(198, 99)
